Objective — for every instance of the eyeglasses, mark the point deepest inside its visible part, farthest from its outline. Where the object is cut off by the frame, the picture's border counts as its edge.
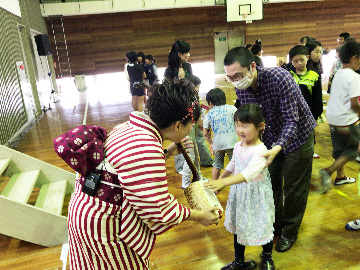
(236, 77)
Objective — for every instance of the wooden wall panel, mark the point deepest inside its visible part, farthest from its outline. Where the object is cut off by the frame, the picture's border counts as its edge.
(98, 43)
(284, 24)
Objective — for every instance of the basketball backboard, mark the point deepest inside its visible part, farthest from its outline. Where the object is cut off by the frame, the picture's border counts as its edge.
(244, 10)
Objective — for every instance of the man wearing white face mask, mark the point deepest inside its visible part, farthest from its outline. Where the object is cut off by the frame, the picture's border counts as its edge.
(289, 136)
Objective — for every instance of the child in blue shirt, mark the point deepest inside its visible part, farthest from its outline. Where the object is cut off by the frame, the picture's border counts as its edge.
(220, 119)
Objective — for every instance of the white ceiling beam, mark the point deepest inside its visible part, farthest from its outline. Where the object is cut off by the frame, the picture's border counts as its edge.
(109, 6)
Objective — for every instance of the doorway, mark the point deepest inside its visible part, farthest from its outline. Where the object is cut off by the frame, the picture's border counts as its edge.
(223, 42)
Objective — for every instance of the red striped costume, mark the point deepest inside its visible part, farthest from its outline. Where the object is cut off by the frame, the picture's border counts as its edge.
(109, 236)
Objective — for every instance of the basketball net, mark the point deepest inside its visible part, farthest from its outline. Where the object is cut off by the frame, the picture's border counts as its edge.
(245, 16)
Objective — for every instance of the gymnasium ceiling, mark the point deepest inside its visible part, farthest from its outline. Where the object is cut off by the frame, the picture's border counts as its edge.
(79, 7)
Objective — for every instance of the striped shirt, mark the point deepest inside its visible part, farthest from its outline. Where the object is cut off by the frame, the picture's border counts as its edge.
(289, 121)
(107, 236)
(135, 151)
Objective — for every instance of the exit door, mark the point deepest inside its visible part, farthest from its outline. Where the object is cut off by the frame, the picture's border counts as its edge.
(223, 42)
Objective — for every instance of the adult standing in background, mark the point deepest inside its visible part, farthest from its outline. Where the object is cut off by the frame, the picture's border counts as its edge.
(289, 136)
(179, 68)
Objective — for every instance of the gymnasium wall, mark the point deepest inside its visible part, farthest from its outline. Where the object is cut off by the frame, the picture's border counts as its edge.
(284, 24)
(98, 43)
(12, 113)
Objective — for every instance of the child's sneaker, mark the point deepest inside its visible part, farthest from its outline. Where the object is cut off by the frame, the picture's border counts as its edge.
(316, 155)
(325, 180)
(353, 225)
(345, 180)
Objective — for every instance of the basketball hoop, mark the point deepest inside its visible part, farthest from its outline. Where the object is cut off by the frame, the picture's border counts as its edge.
(245, 15)
(244, 10)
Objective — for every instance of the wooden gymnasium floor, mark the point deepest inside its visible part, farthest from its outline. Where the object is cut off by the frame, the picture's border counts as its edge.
(323, 242)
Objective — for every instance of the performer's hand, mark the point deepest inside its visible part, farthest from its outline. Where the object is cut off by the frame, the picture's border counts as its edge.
(173, 150)
(214, 185)
(271, 154)
(209, 216)
(187, 143)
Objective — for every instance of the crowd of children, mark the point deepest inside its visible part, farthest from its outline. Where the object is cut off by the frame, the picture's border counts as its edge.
(251, 210)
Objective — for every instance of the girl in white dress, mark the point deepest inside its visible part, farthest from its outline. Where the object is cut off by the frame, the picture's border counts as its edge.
(250, 211)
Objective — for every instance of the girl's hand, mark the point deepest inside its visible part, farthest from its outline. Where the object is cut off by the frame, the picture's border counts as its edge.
(214, 185)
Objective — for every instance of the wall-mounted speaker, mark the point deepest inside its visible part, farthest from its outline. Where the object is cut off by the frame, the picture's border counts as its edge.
(43, 44)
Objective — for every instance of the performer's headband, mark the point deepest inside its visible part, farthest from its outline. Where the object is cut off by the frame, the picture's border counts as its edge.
(190, 111)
